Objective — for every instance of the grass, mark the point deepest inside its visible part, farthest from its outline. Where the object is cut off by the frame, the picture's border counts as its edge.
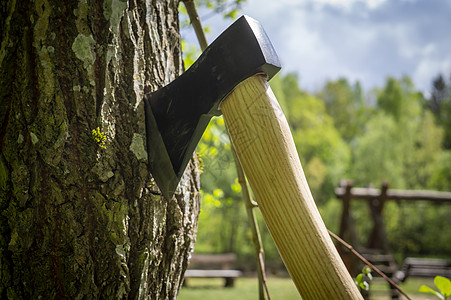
(281, 288)
(379, 289)
(245, 288)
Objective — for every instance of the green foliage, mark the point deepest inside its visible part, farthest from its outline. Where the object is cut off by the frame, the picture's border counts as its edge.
(99, 137)
(344, 103)
(390, 98)
(439, 103)
(407, 152)
(444, 286)
(441, 175)
(227, 8)
(403, 148)
(223, 218)
(418, 229)
(362, 279)
(190, 54)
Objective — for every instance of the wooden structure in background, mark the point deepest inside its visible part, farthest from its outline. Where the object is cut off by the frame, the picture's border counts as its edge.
(376, 249)
(223, 261)
(423, 267)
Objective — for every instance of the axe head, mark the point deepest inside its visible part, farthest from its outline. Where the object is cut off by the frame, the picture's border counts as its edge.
(177, 114)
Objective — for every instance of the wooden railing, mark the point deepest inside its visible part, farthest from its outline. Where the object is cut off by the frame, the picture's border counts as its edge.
(376, 248)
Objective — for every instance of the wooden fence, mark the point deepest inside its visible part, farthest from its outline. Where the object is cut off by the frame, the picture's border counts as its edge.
(376, 198)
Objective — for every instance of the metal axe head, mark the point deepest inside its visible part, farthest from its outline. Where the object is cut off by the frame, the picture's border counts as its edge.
(177, 114)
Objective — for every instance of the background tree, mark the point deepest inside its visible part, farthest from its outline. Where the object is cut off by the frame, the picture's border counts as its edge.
(438, 95)
(439, 103)
(80, 214)
(345, 104)
(401, 143)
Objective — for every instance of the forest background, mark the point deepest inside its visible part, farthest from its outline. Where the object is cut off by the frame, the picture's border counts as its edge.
(393, 133)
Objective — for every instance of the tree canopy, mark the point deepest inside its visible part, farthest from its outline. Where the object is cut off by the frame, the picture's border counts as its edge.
(339, 132)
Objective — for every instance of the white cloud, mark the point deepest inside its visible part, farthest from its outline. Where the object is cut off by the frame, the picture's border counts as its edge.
(428, 68)
(347, 4)
(364, 40)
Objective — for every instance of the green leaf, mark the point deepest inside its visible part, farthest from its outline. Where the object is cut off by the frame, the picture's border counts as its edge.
(366, 270)
(236, 186)
(426, 289)
(359, 280)
(182, 10)
(443, 284)
(218, 193)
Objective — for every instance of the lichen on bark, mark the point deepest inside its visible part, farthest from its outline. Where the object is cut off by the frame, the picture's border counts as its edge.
(79, 221)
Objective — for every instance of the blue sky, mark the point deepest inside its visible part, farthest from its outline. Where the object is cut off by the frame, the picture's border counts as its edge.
(365, 40)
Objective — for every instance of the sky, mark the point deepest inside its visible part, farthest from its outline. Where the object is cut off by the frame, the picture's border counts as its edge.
(364, 40)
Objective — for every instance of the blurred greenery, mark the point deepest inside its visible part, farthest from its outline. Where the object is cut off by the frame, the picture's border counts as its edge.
(281, 288)
(393, 133)
(402, 144)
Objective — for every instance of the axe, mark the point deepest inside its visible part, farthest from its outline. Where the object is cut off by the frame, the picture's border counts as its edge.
(231, 78)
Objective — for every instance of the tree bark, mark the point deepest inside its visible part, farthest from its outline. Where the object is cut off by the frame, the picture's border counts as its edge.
(83, 219)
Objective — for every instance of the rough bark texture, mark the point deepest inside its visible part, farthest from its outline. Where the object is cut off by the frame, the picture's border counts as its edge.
(79, 221)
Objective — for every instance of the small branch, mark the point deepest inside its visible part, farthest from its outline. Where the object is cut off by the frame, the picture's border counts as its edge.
(263, 273)
(365, 261)
(195, 21)
(250, 204)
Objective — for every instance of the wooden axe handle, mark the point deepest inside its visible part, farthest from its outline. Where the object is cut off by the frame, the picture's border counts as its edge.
(263, 142)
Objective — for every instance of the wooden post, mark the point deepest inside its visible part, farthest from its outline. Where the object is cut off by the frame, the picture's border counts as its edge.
(345, 214)
(347, 230)
(378, 237)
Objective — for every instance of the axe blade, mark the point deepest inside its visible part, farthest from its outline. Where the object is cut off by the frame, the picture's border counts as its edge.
(177, 114)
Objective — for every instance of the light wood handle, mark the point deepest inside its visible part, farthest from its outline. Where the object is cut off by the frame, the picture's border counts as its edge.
(263, 142)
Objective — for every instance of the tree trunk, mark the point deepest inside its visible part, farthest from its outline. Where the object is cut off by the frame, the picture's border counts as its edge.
(82, 218)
